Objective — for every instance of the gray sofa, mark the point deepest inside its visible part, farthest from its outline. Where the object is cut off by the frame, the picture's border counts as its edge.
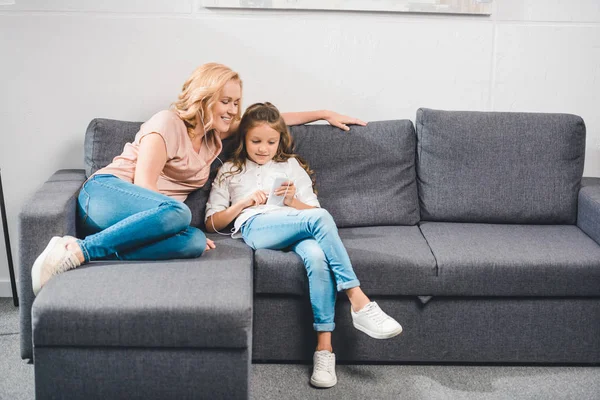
(475, 231)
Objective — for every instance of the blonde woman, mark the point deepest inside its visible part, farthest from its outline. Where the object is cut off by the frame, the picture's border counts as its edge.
(133, 208)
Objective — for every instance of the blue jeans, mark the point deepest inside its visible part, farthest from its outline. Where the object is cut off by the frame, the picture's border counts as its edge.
(311, 234)
(124, 221)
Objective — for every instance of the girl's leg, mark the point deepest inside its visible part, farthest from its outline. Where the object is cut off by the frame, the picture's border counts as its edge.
(121, 218)
(324, 341)
(281, 230)
(321, 286)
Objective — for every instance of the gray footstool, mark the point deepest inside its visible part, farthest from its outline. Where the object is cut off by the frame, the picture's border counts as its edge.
(147, 330)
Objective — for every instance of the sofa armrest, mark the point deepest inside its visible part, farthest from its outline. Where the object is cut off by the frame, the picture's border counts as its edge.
(50, 211)
(588, 209)
(589, 181)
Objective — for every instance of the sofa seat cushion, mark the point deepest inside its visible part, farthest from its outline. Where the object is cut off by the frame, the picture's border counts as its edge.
(513, 260)
(204, 302)
(388, 260)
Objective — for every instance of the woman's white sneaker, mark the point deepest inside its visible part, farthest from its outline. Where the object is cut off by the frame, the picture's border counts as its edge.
(55, 259)
(323, 375)
(374, 322)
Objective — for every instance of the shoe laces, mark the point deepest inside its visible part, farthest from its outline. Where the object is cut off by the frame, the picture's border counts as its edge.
(376, 314)
(323, 361)
(68, 261)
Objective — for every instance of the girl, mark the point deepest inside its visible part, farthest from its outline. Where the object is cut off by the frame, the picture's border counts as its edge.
(239, 193)
(133, 208)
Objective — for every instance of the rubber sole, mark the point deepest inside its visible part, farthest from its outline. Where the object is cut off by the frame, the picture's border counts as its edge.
(375, 335)
(323, 385)
(36, 270)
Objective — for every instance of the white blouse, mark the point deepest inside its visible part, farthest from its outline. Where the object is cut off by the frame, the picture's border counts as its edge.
(233, 188)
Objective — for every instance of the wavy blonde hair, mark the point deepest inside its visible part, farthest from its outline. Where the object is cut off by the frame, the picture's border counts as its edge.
(200, 93)
(265, 113)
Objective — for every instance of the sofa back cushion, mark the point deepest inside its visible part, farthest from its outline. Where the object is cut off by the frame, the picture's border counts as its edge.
(499, 167)
(366, 176)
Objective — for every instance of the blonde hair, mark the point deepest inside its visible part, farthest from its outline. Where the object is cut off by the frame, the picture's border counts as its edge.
(265, 113)
(200, 93)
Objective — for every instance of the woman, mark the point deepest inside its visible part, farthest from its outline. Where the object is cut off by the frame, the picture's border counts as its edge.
(133, 208)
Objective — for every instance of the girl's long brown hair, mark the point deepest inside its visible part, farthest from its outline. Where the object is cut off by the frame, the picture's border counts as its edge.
(265, 113)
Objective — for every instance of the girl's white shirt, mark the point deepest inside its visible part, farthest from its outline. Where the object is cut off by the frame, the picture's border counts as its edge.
(228, 189)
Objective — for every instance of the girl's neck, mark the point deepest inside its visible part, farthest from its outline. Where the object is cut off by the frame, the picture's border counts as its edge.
(248, 159)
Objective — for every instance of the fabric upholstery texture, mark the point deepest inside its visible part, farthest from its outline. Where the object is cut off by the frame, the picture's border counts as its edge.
(104, 140)
(366, 176)
(136, 373)
(388, 260)
(204, 302)
(513, 260)
(588, 212)
(499, 167)
(446, 330)
(50, 211)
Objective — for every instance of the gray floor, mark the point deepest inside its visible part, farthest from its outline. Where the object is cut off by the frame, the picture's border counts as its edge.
(277, 381)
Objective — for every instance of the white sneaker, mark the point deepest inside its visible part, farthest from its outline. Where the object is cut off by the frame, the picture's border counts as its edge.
(374, 322)
(323, 375)
(55, 259)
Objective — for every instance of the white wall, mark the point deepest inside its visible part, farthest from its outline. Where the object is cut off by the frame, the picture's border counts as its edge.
(65, 62)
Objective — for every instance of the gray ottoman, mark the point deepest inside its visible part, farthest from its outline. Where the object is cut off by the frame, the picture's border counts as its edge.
(176, 329)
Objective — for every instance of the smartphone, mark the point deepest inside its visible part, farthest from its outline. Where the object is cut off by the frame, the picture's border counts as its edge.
(274, 200)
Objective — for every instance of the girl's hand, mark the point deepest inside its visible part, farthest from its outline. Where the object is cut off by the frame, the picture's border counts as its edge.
(289, 190)
(209, 245)
(342, 121)
(255, 199)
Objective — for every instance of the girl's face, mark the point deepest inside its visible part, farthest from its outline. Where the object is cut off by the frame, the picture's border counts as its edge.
(262, 142)
(226, 108)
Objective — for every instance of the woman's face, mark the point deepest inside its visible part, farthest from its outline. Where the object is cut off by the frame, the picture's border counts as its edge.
(262, 142)
(226, 108)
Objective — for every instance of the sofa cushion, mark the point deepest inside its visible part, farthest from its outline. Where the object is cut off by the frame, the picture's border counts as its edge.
(513, 260)
(588, 211)
(204, 302)
(104, 140)
(388, 260)
(499, 167)
(365, 176)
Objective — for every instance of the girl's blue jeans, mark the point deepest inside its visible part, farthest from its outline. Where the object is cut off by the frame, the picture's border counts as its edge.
(311, 234)
(120, 220)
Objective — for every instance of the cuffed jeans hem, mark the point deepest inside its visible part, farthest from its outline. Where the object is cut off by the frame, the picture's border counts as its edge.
(324, 327)
(86, 255)
(348, 285)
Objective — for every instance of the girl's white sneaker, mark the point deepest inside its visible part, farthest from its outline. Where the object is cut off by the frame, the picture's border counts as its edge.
(374, 322)
(323, 375)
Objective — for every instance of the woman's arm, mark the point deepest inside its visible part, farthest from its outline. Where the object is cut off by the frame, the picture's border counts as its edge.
(335, 119)
(152, 157)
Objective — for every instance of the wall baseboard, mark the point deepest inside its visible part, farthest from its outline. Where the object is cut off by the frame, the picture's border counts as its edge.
(5, 290)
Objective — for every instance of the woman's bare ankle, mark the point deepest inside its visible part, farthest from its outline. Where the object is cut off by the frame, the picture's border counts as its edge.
(74, 248)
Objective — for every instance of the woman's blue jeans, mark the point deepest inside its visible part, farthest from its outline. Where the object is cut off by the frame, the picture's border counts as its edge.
(124, 221)
(311, 234)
